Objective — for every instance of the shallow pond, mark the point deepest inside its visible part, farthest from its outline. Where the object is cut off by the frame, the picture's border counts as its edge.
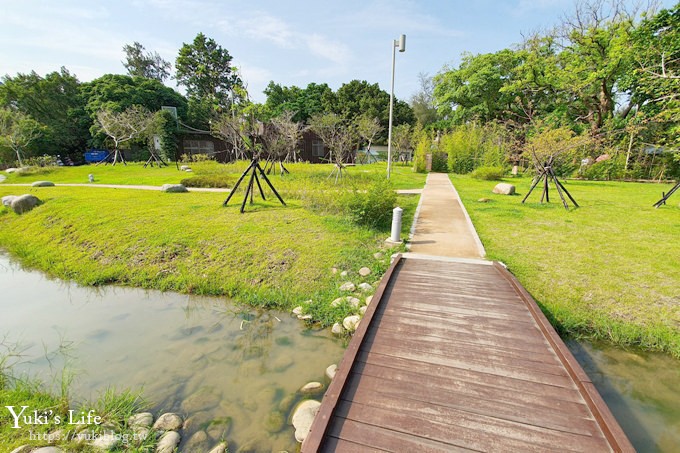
(232, 371)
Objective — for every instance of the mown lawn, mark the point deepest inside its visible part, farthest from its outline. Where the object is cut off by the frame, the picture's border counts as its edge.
(272, 255)
(607, 270)
(135, 174)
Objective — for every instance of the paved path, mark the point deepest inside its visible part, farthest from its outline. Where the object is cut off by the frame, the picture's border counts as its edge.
(443, 227)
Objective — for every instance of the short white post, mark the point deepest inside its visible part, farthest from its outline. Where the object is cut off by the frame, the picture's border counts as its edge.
(396, 225)
(90, 177)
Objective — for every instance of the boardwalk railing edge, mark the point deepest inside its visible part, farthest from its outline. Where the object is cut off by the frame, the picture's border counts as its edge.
(330, 400)
(610, 426)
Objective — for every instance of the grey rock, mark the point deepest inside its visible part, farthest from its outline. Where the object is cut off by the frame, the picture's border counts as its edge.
(504, 188)
(48, 450)
(189, 170)
(219, 448)
(364, 271)
(365, 287)
(143, 420)
(351, 323)
(311, 388)
(11, 170)
(198, 443)
(303, 416)
(24, 203)
(7, 200)
(43, 184)
(484, 200)
(297, 311)
(343, 274)
(305, 317)
(106, 442)
(168, 422)
(348, 286)
(379, 255)
(369, 299)
(331, 370)
(337, 329)
(168, 442)
(173, 188)
(362, 310)
(22, 449)
(352, 301)
(184, 168)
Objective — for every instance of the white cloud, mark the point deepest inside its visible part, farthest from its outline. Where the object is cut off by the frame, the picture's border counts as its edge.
(323, 47)
(267, 27)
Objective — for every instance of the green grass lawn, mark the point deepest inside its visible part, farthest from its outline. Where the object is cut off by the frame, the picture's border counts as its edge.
(607, 270)
(271, 256)
(135, 174)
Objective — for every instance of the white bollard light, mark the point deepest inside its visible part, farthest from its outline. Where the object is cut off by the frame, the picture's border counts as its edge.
(90, 177)
(396, 225)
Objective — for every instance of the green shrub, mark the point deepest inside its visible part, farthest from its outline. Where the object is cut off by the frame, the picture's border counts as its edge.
(35, 171)
(372, 208)
(489, 173)
(606, 170)
(214, 181)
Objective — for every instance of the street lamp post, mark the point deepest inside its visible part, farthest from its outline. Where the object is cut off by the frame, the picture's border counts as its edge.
(401, 44)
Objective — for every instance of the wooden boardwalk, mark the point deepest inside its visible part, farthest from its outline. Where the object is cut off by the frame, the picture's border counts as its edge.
(455, 355)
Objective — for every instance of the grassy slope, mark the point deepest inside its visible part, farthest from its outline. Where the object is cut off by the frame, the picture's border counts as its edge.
(270, 256)
(607, 270)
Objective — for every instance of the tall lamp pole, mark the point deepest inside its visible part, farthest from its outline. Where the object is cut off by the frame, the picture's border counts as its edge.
(401, 44)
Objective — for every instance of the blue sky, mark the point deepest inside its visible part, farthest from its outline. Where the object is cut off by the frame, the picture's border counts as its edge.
(290, 42)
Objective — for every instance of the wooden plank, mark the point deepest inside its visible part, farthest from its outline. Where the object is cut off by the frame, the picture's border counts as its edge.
(567, 392)
(571, 418)
(370, 437)
(543, 397)
(454, 356)
(332, 395)
(461, 429)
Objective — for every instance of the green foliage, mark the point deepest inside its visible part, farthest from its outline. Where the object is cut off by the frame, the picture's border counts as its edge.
(470, 146)
(423, 148)
(489, 173)
(18, 132)
(56, 102)
(204, 68)
(165, 126)
(211, 180)
(149, 65)
(372, 208)
(606, 170)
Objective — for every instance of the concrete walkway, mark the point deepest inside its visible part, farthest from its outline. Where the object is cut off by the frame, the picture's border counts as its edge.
(443, 227)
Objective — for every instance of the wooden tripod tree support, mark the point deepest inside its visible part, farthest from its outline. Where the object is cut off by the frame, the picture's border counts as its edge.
(117, 157)
(547, 174)
(666, 196)
(270, 167)
(254, 167)
(337, 171)
(155, 158)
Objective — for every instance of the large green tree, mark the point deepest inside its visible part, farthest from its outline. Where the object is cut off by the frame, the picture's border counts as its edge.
(140, 63)
(55, 102)
(204, 68)
(117, 92)
(303, 102)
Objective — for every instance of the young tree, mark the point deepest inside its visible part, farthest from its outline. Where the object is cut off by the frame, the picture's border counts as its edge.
(145, 64)
(339, 135)
(368, 129)
(18, 131)
(124, 126)
(204, 68)
(401, 142)
(281, 137)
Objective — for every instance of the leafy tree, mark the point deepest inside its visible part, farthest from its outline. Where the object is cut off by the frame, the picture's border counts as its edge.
(204, 68)
(655, 80)
(473, 90)
(116, 93)
(145, 64)
(401, 142)
(124, 126)
(55, 102)
(304, 103)
(422, 103)
(17, 132)
(359, 97)
(165, 126)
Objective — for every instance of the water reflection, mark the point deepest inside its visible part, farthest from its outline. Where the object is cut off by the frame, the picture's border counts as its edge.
(641, 389)
(233, 372)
